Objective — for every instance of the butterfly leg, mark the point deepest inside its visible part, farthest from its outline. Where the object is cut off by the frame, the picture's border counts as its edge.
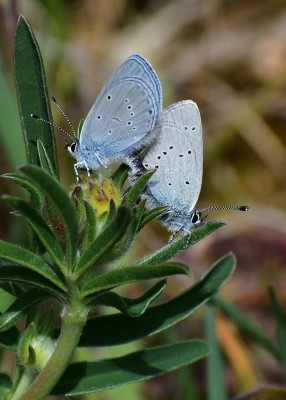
(80, 165)
(88, 170)
(78, 180)
(101, 163)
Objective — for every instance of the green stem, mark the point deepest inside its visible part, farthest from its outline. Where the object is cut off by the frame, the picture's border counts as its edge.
(74, 319)
(26, 379)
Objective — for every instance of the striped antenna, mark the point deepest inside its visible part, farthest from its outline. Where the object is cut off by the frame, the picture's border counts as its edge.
(238, 208)
(57, 126)
(65, 116)
(51, 124)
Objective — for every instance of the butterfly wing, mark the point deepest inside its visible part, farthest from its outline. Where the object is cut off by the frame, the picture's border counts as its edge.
(125, 111)
(177, 155)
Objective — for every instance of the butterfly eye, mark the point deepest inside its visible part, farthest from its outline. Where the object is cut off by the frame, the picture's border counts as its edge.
(196, 217)
(73, 146)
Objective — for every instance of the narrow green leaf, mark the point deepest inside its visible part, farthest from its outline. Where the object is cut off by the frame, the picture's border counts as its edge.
(131, 233)
(10, 125)
(32, 93)
(5, 384)
(10, 288)
(47, 324)
(111, 214)
(280, 324)
(117, 329)
(7, 295)
(40, 227)
(182, 243)
(131, 274)
(105, 241)
(88, 377)
(247, 326)
(9, 339)
(27, 184)
(62, 202)
(14, 273)
(77, 197)
(20, 307)
(45, 162)
(25, 258)
(125, 243)
(150, 215)
(131, 307)
(139, 212)
(215, 370)
(26, 352)
(90, 226)
(120, 175)
(132, 196)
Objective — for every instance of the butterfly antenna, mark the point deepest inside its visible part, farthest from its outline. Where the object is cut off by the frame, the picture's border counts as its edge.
(51, 124)
(238, 208)
(64, 114)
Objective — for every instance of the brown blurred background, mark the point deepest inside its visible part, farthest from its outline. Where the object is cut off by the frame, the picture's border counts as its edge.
(228, 56)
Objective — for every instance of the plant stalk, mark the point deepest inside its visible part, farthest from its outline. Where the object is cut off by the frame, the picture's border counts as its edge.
(73, 321)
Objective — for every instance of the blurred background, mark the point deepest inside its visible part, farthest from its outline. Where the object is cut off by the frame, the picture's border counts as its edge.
(229, 56)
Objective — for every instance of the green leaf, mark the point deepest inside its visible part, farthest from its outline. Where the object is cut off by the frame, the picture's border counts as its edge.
(10, 289)
(111, 214)
(131, 274)
(9, 339)
(88, 377)
(117, 329)
(105, 241)
(150, 215)
(137, 217)
(182, 243)
(47, 324)
(14, 273)
(62, 202)
(215, 369)
(280, 324)
(27, 184)
(10, 125)
(132, 196)
(120, 175)
(45, 162)
(77, 197)
(131, 307)
(25, 258)
(26, 352)
(5, 384)
(90, 226)
(19, 308)
(40, 227)
(124, 244)
(127, 241)
(247, 326)
(32, 93)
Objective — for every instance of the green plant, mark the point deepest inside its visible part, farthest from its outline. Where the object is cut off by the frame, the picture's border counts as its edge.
(78, 256)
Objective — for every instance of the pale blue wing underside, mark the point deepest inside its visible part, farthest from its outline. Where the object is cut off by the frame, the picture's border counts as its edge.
(137, 66)
(177, 156)
(125, 111)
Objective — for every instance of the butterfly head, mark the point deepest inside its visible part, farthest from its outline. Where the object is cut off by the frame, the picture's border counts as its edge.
(196, 218)
(73, 146)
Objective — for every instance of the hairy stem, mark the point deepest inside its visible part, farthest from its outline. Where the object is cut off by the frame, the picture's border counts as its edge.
(74, 319)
